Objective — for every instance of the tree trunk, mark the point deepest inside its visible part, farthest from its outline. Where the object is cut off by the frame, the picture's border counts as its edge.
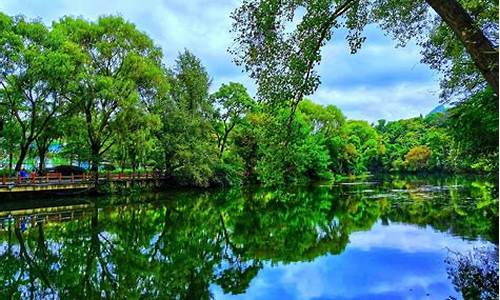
(223, 144)
(22, 156)
(42, 146)
(10, 161)
(42, 152)
(94, 168)
(481, 50)
(41, 162)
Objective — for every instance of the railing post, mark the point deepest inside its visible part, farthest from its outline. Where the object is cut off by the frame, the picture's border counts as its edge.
(4, 179)
(60, 177)
(72, 177)
(47, 178)
(19, 179)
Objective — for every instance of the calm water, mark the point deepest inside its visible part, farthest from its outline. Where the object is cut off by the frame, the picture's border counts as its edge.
(391, 238)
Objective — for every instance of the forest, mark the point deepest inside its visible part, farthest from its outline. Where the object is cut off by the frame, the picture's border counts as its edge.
(98, 94)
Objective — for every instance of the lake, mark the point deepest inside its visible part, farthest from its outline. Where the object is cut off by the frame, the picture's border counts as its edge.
(374, 238)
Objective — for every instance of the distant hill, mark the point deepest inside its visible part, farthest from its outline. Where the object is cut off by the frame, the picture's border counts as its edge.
(438, 109)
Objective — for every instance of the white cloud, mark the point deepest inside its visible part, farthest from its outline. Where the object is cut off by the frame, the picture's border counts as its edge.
(402, 100)
(409, 239)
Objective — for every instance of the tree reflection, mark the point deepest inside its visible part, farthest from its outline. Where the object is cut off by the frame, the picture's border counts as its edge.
(149, 247)
(475, 274)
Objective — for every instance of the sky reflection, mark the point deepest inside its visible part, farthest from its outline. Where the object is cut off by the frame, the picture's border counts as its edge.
(395, 261)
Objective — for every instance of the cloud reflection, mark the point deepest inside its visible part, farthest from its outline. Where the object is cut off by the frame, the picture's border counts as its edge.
(397, 261)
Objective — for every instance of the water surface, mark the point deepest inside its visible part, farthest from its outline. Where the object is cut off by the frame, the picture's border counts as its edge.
(379, 238)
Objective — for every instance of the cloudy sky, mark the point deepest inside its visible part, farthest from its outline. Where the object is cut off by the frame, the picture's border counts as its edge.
(379, 82)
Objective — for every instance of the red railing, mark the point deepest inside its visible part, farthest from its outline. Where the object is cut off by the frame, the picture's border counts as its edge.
(55, 178)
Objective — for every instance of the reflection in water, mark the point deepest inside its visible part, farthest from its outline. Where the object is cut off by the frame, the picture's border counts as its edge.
(475, 273)
(305, 242)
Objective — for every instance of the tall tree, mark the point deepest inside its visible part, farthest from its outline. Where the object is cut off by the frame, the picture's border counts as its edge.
(187, 136)
(33, 72)
(190, 84)
(117, 64)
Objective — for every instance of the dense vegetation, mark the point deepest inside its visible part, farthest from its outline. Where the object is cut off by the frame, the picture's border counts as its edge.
(100, 91)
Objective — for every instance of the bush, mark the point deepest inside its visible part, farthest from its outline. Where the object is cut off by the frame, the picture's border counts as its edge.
(417, 159)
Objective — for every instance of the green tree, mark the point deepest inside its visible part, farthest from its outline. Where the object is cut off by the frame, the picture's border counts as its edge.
(187, 135)
(191, 84)
(117, 65)
(232, 104)
(329, 122)
(367, 144)
(34, 69)
(289, 156)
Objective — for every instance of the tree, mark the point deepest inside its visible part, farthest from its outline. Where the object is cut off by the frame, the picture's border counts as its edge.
(10, 138)
(232, 104)
(290, 155)
(329, 122)
(117, 65)
(34, 68)
(417, 159)
(135, 140)
(187, 136)
(326, 119)
(281, 53)
(482, 51)
(190, 84)
(367, 144)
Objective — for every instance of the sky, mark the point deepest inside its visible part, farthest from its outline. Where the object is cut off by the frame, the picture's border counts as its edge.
(379, 82)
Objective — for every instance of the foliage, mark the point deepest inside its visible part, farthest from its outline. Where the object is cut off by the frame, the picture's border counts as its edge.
(233, 103)
(117, 65)
(290, 157)
(417, 158)
(99, 92)
(34, 67)
(279, 42)
(475, 274)
(474, 124)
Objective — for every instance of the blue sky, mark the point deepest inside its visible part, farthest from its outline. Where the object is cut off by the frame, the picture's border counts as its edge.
(379, 82)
